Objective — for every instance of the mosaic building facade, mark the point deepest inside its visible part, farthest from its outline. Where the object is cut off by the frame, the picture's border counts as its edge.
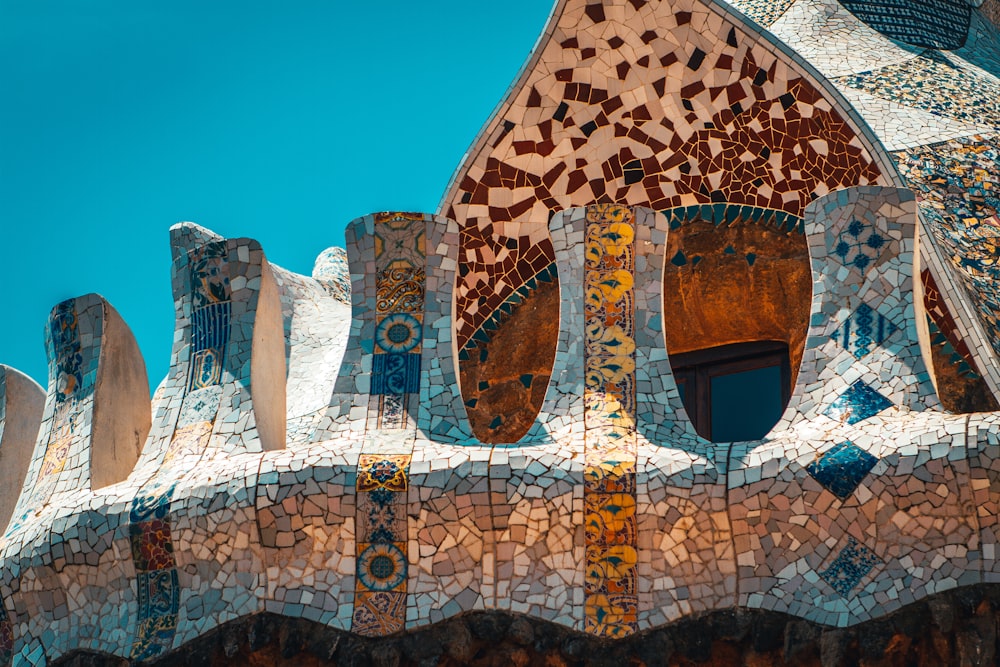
(476, 410)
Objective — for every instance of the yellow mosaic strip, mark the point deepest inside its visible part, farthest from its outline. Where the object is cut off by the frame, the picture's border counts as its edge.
(611, 603)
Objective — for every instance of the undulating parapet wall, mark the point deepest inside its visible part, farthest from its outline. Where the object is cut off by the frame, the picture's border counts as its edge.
(610, 517)
(310, 454)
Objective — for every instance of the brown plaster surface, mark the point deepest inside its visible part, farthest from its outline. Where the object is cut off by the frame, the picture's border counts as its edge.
(718, 297)
(524, 345)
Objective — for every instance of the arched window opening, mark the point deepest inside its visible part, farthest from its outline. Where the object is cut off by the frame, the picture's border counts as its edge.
(737, 292)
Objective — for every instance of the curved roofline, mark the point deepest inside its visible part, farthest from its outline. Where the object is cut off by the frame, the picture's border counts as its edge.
(878, 151)
(505, 100)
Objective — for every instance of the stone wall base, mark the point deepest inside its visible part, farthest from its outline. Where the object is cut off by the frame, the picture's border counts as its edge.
(958, 627)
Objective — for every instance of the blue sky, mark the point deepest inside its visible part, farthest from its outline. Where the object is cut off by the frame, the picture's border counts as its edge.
(121, 118)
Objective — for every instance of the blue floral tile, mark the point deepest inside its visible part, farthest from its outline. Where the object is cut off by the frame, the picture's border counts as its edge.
(859, 246)
(158, 593)
(852, 564)
(842, 468)
(858, 403)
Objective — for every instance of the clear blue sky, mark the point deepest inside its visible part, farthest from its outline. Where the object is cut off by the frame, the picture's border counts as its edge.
(119, 119)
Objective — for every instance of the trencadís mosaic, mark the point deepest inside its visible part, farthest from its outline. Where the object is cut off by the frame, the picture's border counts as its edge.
(311, 452)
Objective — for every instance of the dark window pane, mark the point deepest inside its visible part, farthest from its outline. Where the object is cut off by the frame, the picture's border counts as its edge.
(745, 406)
(682, 388)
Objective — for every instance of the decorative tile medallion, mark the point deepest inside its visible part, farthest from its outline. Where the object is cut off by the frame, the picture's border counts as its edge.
(611, 587)
(857, 403)
(842, 468)
(858, 245)
(851, 565)
(382, 472)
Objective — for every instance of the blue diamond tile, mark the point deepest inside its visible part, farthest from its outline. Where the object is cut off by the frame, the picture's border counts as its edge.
(866, 329)
(859, 402)
(842, 468)
(852, 564)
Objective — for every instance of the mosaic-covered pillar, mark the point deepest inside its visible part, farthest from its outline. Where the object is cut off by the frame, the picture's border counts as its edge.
(379, 386)
(610, 445)
(222, 403)
(686, 563)
(613, 452)
(397, 384)
(96, 412)
(862, 354)
(451, 537)
(59, 462)
(858, 501)
(95, 419)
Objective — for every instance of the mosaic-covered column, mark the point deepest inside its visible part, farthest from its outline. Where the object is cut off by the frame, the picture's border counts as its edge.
(451, 524)
(96, 412)
(858, 502)
(221, 404)
(862, 355)
(95, 419)
(61, 452)
(392, 247)
(611, 448)
(611, 583)
(686, 563)
(397, 383)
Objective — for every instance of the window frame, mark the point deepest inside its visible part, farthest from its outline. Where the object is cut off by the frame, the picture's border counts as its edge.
(696, 369)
